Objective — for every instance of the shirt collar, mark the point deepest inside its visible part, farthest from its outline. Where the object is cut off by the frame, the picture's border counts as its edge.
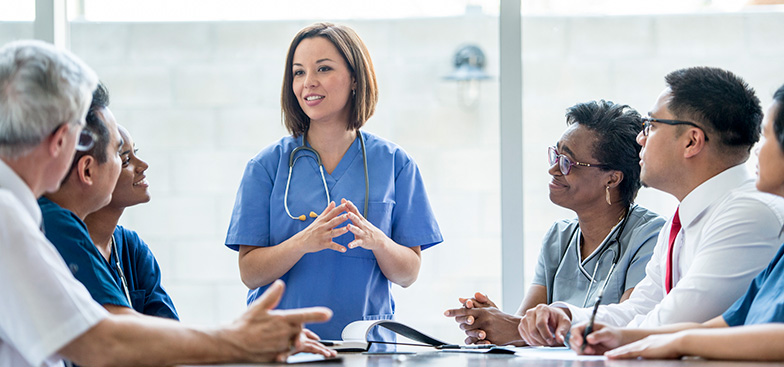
(11, 181)
(709, 191)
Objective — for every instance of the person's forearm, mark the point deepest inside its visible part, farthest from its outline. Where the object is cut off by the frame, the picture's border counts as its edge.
(261, 266)
(134, 341)
(751, 343)
(536, 295)
(399, 264)
(630, 335)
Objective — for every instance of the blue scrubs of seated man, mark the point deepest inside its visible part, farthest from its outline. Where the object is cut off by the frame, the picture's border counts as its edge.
(344, 218)
(752, 326)
(594, 172)
(86, 188)
(140, 275)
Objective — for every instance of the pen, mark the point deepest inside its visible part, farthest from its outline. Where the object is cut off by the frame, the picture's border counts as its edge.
(589, 329)
(455, 346)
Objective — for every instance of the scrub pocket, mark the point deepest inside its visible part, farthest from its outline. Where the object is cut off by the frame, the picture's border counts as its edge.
(381, 334)
(380, 214)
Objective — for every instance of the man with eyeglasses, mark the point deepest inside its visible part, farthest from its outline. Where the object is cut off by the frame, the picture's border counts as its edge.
(86, 188)
(694, 146)
(46, 315)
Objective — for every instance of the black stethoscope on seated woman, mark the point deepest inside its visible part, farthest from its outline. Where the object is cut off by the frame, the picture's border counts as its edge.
(615, 258)
(293, 159)
(120, 271)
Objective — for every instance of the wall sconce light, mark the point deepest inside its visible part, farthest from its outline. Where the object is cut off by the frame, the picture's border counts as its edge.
(469, 62)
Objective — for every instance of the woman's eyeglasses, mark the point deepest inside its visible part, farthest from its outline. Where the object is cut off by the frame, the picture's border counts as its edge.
(565, 164)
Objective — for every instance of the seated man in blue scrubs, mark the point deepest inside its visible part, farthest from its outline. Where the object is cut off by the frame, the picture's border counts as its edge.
(141, 275)
(86, 188)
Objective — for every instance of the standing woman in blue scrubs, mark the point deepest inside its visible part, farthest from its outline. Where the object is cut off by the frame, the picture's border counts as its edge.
(311, 226)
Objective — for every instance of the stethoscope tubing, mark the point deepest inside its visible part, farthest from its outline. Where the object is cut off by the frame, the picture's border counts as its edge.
(616, 256)
(120, 272)
(293, 160)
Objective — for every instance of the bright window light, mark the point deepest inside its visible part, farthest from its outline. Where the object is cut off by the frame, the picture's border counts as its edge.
(211, 10)
(17, 10)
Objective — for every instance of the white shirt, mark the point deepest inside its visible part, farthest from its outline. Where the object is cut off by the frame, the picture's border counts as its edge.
(730, 232)
(42, 306)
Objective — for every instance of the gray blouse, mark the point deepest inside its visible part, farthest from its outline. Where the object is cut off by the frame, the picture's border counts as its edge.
(568, 279)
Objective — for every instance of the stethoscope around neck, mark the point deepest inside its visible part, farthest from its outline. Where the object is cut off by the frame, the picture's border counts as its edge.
(118, 268)
(293, 157)
(600, 256)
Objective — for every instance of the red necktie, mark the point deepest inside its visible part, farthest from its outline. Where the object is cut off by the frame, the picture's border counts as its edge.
(676, 227)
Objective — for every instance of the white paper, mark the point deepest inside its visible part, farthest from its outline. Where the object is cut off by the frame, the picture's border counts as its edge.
(554, 353)
(357, 330)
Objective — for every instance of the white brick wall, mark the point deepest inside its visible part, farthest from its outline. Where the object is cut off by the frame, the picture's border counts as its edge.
(201, 98)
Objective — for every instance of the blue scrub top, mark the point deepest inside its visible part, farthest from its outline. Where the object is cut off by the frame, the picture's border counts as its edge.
(143, 275)
(350, 283)
(764, 300)
(69, 235)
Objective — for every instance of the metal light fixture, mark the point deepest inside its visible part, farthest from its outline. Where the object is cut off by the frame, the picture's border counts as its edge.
(469, 62)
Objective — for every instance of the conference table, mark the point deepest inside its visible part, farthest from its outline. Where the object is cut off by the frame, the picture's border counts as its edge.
(544, 358)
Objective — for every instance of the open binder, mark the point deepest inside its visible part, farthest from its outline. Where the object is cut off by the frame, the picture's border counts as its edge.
(355, 338)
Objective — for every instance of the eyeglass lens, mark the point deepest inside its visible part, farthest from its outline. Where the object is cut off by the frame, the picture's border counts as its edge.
(565, 164)
(646, 127)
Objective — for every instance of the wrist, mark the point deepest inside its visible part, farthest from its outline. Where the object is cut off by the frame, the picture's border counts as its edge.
(298, 243)
(231, 347)
(683, 342)
(565, 310)
(383, 244)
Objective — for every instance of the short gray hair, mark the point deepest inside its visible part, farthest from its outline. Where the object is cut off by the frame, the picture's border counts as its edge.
(41, 87)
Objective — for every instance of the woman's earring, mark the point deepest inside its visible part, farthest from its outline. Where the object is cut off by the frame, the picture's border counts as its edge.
(607, 196)
(353, 93)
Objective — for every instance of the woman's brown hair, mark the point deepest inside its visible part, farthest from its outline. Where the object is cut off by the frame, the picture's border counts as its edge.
(357, 57)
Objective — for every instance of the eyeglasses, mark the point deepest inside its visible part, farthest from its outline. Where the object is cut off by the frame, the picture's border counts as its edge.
(646, 125)
(86, 141)
(565, 164)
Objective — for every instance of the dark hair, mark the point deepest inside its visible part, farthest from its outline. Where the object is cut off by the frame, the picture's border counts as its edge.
(778, 120)
(356, 56)
(98, 127)
(721, 101)
(616, 127)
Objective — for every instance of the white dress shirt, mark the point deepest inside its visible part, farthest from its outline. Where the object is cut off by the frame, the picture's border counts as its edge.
(42, 306)
(730, 232)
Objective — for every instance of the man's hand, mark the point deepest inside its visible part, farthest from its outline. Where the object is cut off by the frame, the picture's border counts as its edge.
(308, 342)
(602, 339)
(265, 334)
(544, 325)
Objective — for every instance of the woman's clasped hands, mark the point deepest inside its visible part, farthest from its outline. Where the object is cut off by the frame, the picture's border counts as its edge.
(320, 234)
